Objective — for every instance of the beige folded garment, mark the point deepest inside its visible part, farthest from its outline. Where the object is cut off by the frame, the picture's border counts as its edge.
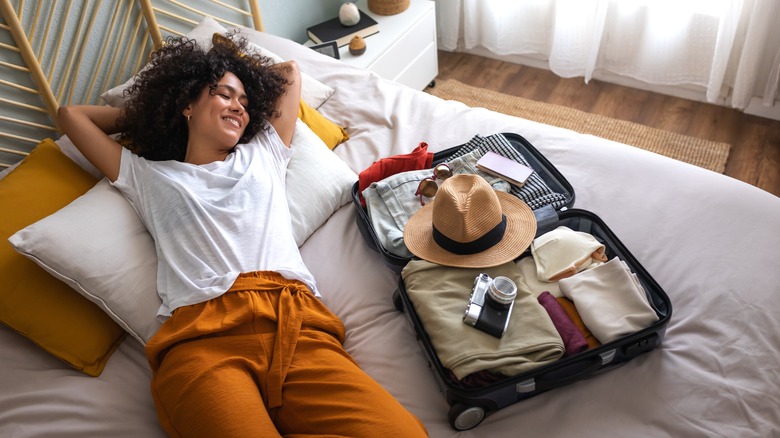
(531, 282)
(563, 252)
(440, 295)
(610, 300)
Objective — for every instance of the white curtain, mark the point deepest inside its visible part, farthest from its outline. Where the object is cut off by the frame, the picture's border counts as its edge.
(725, 48)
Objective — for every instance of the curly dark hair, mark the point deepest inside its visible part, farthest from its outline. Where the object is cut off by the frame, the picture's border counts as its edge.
(153, 124)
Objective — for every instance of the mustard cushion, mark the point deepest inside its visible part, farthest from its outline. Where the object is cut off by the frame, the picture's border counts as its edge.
(330, 133)
(32, 302)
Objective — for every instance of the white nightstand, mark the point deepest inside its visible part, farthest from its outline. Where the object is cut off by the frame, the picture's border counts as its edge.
(404, 50)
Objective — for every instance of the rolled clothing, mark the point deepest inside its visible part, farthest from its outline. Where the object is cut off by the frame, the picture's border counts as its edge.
(610, 300)
(568, 306)
(440, 295)
(573, 340)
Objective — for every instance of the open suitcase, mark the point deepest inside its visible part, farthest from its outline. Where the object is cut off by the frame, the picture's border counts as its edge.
(470, 405)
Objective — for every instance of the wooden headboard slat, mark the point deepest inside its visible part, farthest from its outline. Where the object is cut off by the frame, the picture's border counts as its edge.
(9, 47)
(24, 105)
(45, 38)
(74, 66)
(137, 34)
(104, 49)
(20, 68)
(15, 28)
(71, 51)
(193, 10)
(14, 151)
(232, 8)
(176, 16)
(37, 15)
(19, 87)
(18, 137)
(27, 123)
(151, 23)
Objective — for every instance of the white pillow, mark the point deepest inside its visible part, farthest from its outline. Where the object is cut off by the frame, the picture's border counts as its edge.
(318, 182)
(99, 246)
(313, 92)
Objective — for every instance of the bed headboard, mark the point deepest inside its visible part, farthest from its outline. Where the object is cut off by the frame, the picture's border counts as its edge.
(59, 52)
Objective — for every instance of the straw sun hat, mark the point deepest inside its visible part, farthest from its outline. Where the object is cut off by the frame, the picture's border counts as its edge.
(470, 225)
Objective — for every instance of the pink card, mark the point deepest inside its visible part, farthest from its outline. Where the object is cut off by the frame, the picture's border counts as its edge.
(503, 167)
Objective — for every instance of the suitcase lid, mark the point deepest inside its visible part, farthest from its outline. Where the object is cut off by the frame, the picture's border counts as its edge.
(541, 165)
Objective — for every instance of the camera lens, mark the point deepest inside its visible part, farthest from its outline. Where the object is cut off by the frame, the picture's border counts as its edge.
(501, 293)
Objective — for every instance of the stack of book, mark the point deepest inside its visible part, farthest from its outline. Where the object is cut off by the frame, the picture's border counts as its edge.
(333, 30)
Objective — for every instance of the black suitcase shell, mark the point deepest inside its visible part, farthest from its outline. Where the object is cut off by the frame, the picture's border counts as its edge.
(551, 176)
(469, 405)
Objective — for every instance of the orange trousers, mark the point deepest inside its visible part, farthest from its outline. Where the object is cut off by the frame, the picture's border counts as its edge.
(266, 359)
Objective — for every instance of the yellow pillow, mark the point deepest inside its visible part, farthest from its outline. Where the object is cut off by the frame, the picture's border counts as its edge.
(32, 302)
(330, 133)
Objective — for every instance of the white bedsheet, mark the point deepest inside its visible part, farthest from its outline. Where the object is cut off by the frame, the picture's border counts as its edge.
(712, 243)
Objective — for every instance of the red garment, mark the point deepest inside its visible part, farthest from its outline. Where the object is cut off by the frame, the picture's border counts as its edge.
(417, 159)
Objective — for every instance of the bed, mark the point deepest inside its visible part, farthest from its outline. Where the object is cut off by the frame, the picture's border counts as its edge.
(710, 241)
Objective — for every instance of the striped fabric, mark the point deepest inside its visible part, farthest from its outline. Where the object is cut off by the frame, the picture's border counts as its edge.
(535, 192)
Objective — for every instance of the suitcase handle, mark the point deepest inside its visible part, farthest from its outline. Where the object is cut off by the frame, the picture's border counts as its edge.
(569, 374)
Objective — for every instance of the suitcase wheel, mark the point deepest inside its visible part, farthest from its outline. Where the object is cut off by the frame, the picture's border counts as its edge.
(397, 302)
(465, 417)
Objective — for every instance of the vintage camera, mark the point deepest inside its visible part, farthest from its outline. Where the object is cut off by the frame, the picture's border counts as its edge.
(490, 304)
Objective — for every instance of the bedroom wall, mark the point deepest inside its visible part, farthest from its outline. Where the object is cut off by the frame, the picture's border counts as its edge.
(290, 19)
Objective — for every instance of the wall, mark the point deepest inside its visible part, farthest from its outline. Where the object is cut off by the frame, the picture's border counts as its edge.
(290, 18)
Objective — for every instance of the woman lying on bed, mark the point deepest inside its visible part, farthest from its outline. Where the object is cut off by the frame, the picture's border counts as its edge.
(247, 348)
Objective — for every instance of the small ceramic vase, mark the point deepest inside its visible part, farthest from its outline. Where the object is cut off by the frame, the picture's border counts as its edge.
(349, 15)
(357, 45)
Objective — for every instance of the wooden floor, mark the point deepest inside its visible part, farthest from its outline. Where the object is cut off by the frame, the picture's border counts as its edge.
(755, 141)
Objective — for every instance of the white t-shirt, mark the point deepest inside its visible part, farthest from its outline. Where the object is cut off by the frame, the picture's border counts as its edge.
(214, 221)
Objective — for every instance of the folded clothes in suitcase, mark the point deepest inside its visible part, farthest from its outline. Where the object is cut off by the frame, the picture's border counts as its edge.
(479, 373)
(545, 191)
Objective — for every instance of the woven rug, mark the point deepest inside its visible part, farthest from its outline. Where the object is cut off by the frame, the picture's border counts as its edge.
(700, 152)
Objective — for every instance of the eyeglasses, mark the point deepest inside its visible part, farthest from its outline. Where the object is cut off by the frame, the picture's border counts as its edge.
(428, 186)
